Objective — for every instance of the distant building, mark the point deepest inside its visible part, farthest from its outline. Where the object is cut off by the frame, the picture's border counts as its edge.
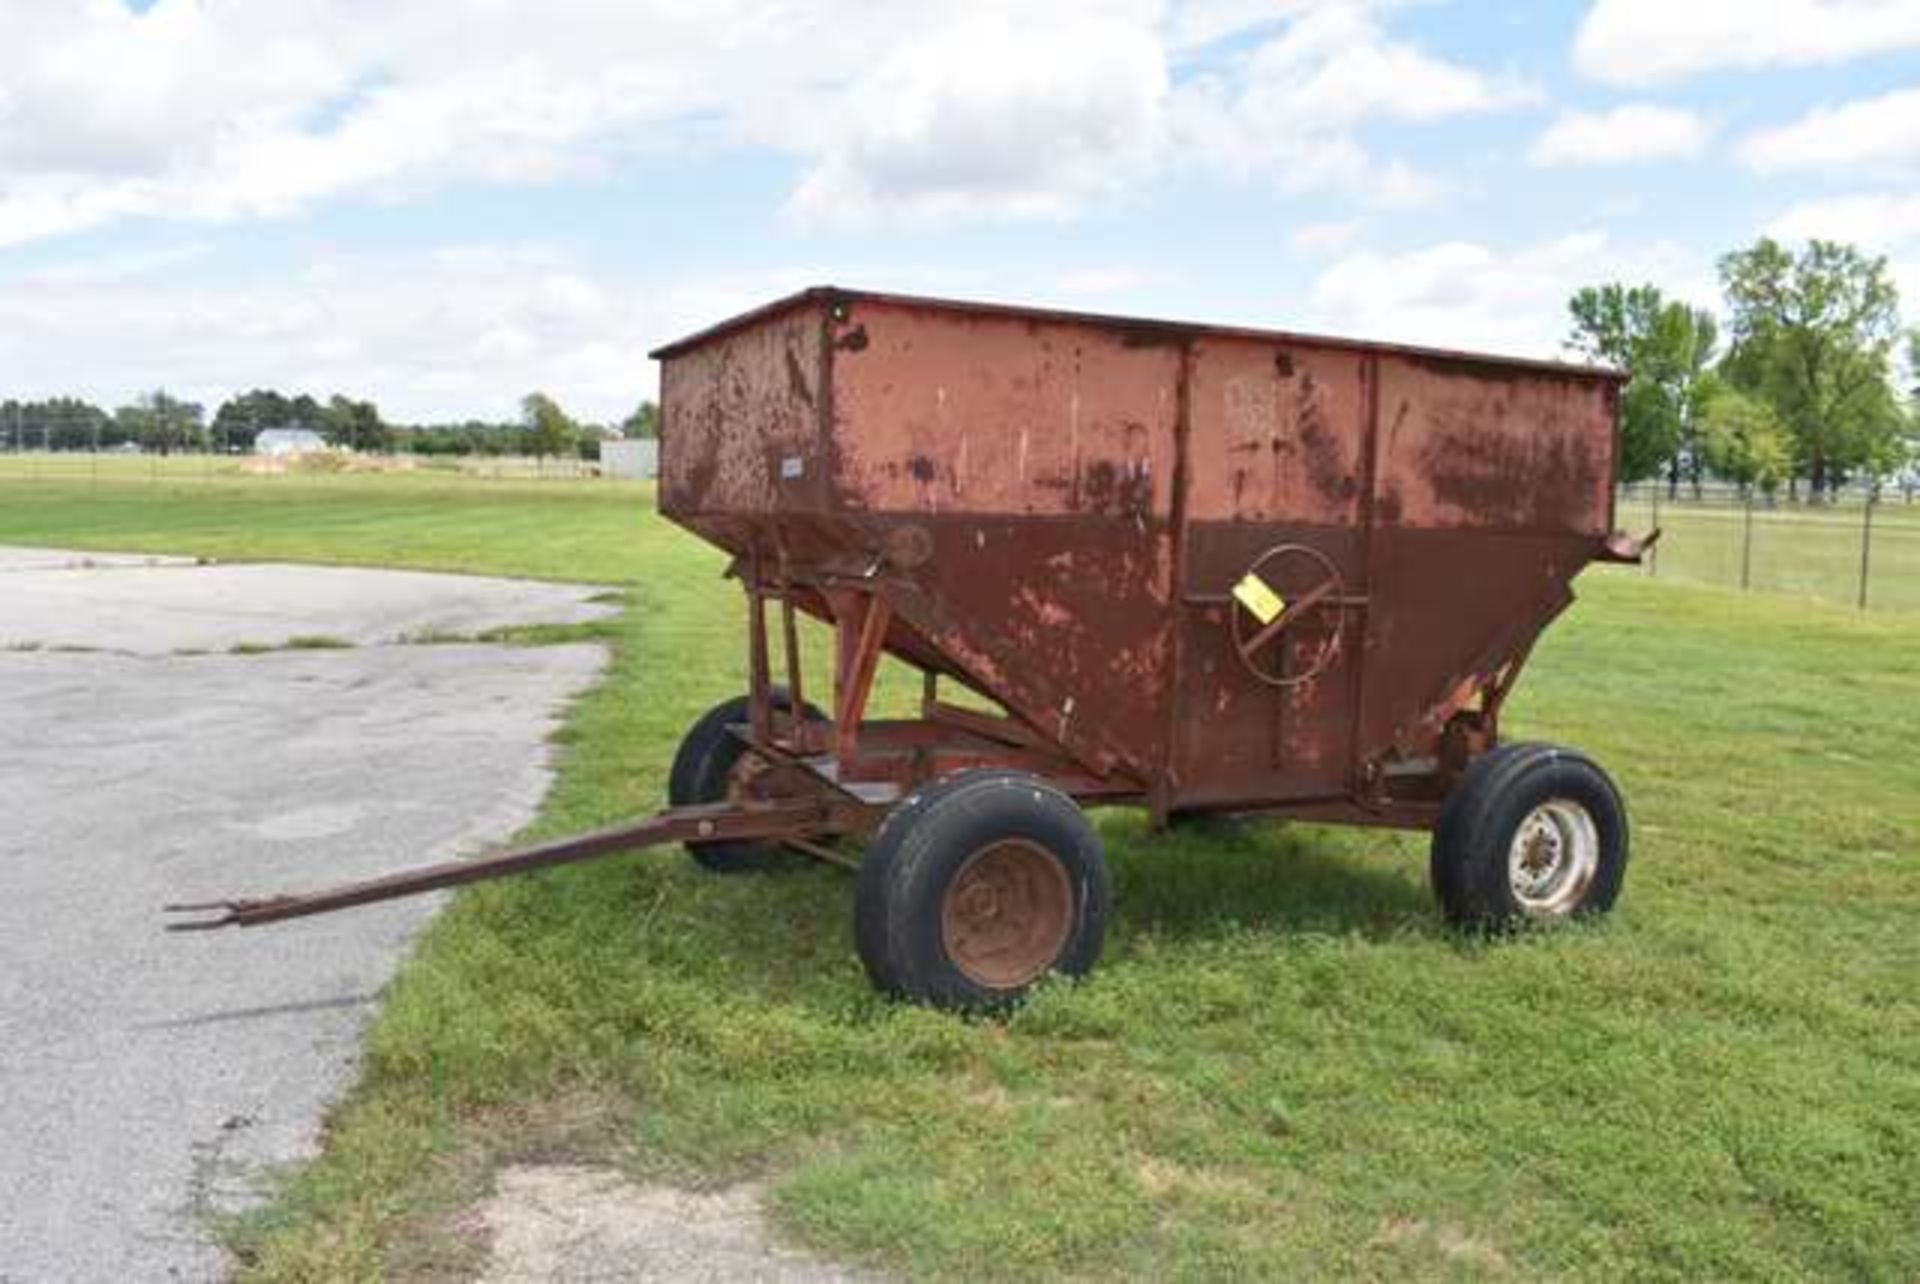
(288, 441)
(635, 459)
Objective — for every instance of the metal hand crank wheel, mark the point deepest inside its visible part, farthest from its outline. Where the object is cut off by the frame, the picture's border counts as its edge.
(1327, 591)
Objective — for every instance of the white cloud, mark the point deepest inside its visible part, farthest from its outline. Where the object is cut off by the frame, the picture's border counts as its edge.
(459, 331)
(1324, 238)
(451, 333)
(1879, 223)
(222, 111)
(1464, 294)
(116, 267)
(1644, 42)
(1198, 23)
(1000, 109)
(1877, 135)
(1291, 107)
(215, 111)
(1875, 222)
(1634, 132)
(1335, 65)
(992, 117)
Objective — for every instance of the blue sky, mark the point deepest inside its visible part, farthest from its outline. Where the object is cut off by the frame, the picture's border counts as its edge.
(442, 206)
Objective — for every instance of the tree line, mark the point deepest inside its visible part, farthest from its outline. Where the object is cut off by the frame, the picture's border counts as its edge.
(1803, 388)
(161, 423)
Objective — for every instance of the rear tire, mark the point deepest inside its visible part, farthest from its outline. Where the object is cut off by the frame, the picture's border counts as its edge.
(1532, 833)
(704, 772)
(976, 886)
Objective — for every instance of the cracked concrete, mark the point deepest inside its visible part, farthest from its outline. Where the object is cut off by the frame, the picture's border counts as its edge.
(145, 1077)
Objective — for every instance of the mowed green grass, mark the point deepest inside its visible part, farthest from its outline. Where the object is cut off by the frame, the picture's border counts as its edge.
(1284, 1066)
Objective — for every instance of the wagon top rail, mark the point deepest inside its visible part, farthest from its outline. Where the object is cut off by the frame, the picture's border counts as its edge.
(1152, 328)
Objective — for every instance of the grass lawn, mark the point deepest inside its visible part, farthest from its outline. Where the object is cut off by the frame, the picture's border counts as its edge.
(1284, 1066)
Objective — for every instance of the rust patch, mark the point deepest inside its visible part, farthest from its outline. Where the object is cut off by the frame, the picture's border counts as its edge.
(1327, 464)
(797, 379)
(1110, 488)
(1298, 411)
(907, 546)
(1497, 477)
(1527, 452)
(1148, 335)
(733, 413)
(1016, 416)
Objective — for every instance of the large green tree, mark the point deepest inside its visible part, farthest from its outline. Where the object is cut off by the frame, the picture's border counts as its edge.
(356, 425)
(644, 422)
(1814, 335)
(58, 423)
(240, 419)
(1665, 347)
(549, 430)
(1744, 440)
(162, 422)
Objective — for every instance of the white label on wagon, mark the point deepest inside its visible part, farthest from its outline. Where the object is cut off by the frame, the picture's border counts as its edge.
(791, 467)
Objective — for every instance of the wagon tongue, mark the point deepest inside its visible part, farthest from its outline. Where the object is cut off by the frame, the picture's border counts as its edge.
(718, 821)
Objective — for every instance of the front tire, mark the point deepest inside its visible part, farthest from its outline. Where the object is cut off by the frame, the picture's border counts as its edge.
(976, 886)
(708, 768)
(1533, 833)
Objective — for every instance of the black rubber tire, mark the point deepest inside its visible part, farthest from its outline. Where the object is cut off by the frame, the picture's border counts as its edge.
(922, 845)
(701, 767)
(1480, 817)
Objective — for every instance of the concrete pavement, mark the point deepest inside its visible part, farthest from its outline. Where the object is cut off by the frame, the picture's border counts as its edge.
(145, 1077)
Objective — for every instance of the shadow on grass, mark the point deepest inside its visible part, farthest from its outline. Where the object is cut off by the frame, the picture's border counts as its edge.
(657, 924)
(1213, 877)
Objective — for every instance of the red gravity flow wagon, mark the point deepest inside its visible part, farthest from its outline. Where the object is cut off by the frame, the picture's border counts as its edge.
(1193, 568)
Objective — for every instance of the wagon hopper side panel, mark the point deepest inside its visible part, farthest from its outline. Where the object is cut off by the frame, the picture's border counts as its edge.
(1028, 469)
(1277, 447)
(1453, 500)
(1494, 489)
(740, 427)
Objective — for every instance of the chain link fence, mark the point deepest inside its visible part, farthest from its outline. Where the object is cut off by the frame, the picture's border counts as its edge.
(127, 465)
(1858, 547)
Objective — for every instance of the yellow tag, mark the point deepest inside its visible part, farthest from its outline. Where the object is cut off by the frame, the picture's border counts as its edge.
(1252, 592)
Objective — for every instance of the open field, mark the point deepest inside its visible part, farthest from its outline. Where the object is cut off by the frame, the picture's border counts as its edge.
(1795, 549)
(1284, 1066)
(1806, 552)
(109, 467)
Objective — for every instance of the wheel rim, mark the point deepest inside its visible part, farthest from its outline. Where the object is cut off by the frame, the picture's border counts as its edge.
(1553, 858)
(1007, 914)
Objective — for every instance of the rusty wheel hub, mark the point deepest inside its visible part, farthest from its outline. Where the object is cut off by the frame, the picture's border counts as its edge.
(755, 779)
(744, 783)
(1007, 914)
